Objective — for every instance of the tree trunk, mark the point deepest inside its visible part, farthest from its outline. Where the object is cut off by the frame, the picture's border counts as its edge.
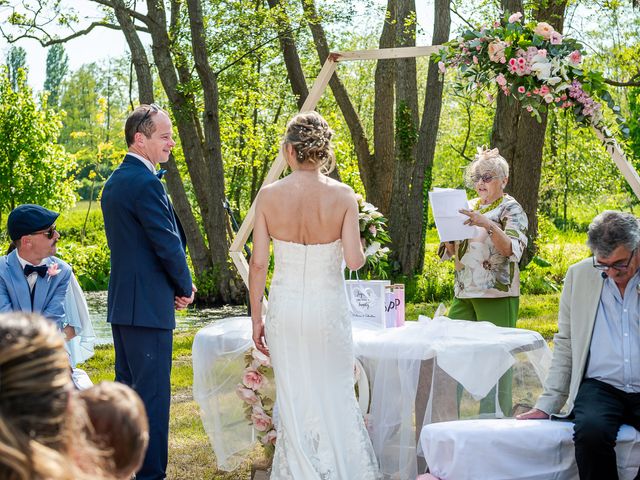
(228, 284)
(290, 53)
(428, 134)
(383, 160)
(197, 248)
(405, 245)
(358, 137)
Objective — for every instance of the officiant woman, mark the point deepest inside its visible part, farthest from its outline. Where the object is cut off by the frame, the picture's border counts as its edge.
(487, 278)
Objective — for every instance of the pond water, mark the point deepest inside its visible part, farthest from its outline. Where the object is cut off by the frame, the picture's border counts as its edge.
(201, 317)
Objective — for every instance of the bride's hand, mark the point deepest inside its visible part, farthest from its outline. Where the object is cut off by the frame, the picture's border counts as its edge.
(258, 337)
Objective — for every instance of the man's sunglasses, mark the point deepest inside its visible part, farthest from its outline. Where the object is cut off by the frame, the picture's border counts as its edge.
(152, 108)
(49, 232)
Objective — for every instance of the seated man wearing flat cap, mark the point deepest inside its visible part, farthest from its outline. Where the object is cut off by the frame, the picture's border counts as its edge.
(31, 278)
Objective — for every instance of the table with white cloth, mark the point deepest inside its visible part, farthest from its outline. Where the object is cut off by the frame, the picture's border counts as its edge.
(472, 354)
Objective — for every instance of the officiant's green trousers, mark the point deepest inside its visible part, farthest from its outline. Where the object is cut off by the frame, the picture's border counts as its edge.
(502, 312)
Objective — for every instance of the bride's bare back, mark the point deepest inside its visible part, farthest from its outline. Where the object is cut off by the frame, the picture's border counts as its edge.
(306, 207)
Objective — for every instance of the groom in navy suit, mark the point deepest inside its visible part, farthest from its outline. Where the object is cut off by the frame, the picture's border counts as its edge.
(149, 274)
(31, 278)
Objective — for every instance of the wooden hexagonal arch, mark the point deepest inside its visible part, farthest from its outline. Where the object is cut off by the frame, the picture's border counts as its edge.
(318, 88)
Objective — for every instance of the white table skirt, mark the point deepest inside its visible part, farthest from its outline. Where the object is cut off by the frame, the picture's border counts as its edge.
(475, 354)
(512, 449)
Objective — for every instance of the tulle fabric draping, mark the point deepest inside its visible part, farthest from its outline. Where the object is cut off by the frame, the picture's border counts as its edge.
(81, 347)
(218, 362)
(413, 373)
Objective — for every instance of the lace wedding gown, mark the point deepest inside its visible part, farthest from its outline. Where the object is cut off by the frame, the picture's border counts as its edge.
(321, 433)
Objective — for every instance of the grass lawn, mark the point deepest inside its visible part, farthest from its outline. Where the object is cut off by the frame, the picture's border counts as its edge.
(190, 453)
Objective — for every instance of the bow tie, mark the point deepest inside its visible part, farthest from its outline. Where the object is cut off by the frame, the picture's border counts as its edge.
(40, 270)
(160, 173)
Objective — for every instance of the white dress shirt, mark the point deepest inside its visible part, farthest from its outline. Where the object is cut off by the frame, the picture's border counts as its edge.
(146, 162)
(32, 277)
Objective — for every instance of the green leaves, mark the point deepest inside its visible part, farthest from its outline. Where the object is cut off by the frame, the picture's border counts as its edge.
(34, 168)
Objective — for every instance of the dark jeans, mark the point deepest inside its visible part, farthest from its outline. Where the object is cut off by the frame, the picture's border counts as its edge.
(599, 411)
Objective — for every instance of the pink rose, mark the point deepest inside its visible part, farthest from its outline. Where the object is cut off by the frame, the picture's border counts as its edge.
(496, 50)
(542, 53)
(516, 17)
(521, 89)
(53, 270)
(270, 437)
(529, 108)
(475, 59)
(500, 80)
(544, 30)
(544, 90)
(261, 358)
(261, 421)
(496, 24)
(247, 395)
(441, 67)
(555, 38)
(575, 57)
(548, 98)
(252, 379)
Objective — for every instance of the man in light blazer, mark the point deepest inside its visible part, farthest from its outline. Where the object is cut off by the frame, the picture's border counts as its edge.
(32, 279)
(149, 274)
(595, 369)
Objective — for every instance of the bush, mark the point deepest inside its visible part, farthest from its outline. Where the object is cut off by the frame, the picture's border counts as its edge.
(90, 263)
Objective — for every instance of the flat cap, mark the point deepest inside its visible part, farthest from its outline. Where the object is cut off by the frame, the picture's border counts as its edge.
(28, 218)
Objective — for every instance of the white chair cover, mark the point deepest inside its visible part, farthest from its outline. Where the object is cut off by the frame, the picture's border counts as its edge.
(512, 449)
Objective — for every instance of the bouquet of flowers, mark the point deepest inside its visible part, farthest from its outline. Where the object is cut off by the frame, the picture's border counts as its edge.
(373, 231)
(533, 64)
(259, 408)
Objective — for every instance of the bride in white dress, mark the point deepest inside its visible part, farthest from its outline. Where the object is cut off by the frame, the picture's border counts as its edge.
(313, 222)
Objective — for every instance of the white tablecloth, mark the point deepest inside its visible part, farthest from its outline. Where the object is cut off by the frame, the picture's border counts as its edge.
(476, 354)
(512, 449)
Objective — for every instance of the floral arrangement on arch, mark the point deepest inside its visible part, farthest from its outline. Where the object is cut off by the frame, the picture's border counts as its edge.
(373, 230)
(259, 408)
(534, 64)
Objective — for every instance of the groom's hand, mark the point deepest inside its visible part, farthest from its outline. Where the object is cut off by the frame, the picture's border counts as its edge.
(181, 303)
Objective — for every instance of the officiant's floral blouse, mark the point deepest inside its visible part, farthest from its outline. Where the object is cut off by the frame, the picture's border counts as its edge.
(481, 271)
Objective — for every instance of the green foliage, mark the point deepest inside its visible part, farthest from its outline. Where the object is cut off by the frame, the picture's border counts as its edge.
(57, 67)
(83, 245)
(207, 284)
(16, 60)
(34, 168)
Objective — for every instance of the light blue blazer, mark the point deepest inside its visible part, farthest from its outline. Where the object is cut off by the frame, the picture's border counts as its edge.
(50, 291)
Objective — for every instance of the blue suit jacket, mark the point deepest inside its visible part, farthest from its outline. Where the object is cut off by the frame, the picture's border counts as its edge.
(148, 260)
(50, 291)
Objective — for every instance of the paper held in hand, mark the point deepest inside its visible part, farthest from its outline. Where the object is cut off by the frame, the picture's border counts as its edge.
(445, 204)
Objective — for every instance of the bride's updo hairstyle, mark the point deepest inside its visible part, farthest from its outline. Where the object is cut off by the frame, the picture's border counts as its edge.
(310, 136)
(486, 161)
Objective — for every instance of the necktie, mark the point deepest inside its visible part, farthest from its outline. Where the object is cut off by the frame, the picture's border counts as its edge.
(40, 270)
(160, 173)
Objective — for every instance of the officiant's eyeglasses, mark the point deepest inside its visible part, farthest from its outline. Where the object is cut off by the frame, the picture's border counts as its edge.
(486, 178)
(153, 107)
(49, 232)
(619, 266)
